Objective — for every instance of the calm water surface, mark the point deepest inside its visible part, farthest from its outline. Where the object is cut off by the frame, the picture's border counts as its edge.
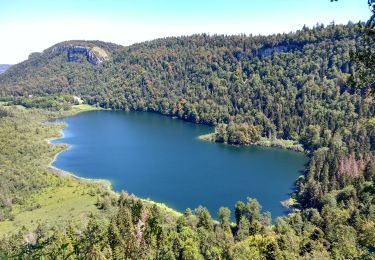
(160, 158)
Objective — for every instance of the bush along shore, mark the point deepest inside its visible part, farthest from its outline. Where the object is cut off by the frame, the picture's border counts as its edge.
(304, 86)
(245, 134)
(27, 152)
(66, 217)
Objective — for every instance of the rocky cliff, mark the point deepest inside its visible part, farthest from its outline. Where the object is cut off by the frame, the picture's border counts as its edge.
(94, 55)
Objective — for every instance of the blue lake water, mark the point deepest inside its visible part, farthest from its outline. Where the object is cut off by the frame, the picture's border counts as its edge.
(160, 158)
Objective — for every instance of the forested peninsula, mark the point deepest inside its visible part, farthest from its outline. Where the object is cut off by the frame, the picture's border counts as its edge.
(303, 87)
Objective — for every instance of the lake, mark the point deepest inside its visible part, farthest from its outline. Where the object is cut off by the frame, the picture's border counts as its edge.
(161, 158)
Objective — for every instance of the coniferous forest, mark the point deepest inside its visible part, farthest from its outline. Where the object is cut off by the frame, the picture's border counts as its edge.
(304, 86)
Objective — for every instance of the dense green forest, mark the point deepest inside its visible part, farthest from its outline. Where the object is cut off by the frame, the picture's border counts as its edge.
(302, 86)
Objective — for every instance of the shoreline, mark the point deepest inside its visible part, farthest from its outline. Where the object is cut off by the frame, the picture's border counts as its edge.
(263, 142)
(105, 184)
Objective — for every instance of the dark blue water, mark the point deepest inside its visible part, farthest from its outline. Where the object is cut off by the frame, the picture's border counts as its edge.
(160, 158)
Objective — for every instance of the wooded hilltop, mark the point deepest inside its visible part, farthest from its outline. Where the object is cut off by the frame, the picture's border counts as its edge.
(300, 86)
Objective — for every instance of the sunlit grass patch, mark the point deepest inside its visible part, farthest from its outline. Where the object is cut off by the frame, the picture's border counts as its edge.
(53, 206)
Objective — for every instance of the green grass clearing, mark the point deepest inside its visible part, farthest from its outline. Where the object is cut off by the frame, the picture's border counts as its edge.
(53, 206)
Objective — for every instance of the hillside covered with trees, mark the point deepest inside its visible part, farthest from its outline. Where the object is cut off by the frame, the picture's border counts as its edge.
(300, 86)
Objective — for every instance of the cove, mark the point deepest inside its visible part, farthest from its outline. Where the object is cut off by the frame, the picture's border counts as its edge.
(161, 158)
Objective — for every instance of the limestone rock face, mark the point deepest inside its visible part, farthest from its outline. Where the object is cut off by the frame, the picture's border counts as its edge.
(94, 55)
(269, 51)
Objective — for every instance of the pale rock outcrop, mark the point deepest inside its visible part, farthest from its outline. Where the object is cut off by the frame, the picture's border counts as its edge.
(94, 55)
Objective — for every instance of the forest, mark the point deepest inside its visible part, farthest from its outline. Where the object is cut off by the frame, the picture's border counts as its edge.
(304, 86)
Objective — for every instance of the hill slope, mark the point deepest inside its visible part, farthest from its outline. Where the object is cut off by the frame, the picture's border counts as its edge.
(291, 86)
(209, 79)
(60, 68)
(4, 67)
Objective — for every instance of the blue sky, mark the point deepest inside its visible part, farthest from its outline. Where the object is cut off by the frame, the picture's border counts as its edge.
(33, 25)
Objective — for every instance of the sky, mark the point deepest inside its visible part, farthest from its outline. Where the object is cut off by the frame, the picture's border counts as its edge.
(28, 26)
